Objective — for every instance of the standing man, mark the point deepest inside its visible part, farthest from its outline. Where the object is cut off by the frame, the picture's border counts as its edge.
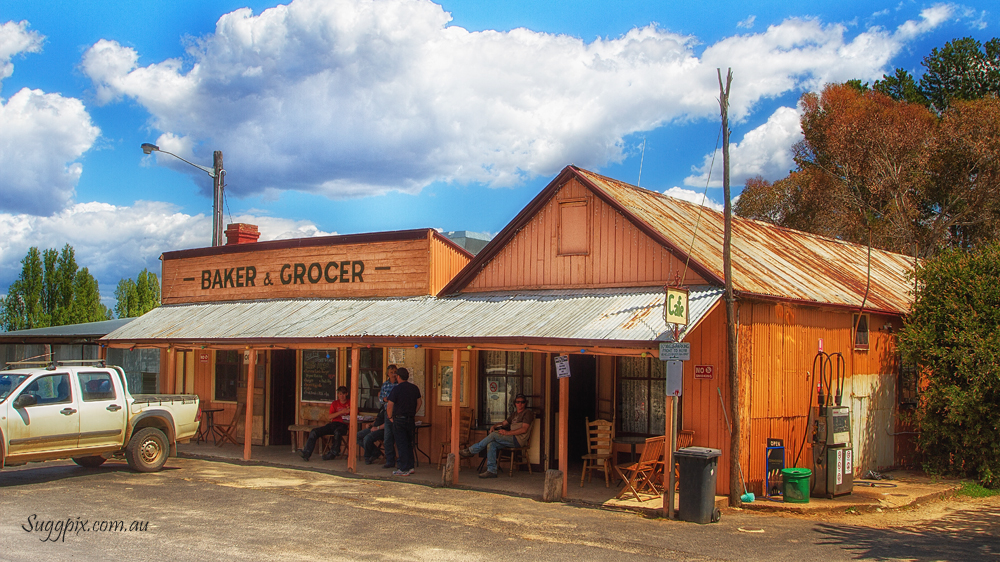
(340, 418)
(401, 410)
(388, 442)
(508, 434)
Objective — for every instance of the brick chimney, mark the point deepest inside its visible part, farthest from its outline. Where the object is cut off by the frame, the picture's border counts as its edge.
(240, 233)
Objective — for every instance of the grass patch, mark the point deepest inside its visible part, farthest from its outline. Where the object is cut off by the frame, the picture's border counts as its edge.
(974, 490)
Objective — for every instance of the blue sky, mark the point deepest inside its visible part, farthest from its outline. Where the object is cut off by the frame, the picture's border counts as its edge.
(343, 116)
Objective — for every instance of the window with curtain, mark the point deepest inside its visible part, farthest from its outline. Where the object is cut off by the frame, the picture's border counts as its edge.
(860, 326)
(642, 398)
(503, 375)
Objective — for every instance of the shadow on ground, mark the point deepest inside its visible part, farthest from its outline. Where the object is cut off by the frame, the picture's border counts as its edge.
(959, 536)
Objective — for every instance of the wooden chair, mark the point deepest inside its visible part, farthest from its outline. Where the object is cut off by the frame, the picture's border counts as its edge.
(599, 435)
(639, 477)
(464, 433)
(228, 431)
(685, 438)
(519, 455)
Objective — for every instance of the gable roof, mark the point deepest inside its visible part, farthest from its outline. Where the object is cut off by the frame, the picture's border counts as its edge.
(768, 261)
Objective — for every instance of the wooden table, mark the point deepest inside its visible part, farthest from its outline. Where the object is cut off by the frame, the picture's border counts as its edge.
(208, 425)
(416, 447)
(630, 440)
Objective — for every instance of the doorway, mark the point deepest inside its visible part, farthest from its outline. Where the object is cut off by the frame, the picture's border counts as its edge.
(582, 405)
(283, 373)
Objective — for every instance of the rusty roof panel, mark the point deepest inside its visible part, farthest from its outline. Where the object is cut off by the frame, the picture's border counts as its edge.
(769, 260)
(595, 314)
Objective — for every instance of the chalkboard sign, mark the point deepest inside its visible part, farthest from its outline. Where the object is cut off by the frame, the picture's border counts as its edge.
(319, 375)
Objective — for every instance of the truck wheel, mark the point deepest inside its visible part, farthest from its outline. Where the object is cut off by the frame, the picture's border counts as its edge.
(147, 450)
(90, 462)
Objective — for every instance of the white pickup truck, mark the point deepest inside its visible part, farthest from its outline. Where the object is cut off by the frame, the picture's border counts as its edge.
(87, 414)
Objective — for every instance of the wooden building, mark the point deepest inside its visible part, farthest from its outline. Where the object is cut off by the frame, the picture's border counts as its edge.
(580, 272)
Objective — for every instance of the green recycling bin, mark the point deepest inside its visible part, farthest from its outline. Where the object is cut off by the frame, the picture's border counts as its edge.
(795, 486)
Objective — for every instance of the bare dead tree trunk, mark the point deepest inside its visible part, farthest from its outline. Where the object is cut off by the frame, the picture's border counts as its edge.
(727, 263)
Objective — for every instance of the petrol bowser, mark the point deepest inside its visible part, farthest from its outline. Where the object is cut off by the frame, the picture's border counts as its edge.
(833, 458)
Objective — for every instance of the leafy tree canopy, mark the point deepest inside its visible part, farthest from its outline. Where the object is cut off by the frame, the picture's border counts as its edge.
(882, 163)
(51, 291)
(137, 297)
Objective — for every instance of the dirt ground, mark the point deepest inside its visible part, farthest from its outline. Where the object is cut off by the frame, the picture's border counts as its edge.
(937, 510)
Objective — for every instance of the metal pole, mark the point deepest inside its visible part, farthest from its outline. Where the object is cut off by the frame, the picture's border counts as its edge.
(671, 477)
(217, 200)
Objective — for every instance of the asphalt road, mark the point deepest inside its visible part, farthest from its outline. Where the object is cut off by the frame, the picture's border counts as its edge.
(204, 510)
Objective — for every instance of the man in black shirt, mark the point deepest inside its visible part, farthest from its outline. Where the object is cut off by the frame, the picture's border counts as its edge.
(401, 408)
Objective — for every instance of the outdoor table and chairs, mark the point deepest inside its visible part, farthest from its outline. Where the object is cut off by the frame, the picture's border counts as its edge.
(646, 475)
(208, 426)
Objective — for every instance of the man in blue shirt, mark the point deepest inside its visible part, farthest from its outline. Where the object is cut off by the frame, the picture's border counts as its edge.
(388, 443)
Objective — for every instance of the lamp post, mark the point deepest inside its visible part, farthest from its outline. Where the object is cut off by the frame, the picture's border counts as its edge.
(217, 174)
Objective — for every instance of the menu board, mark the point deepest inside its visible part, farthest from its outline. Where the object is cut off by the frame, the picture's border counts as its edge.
(319, 375)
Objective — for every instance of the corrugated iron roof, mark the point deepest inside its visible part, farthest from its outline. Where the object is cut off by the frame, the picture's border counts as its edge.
(768, 260)
(84, 330)
(607, 315)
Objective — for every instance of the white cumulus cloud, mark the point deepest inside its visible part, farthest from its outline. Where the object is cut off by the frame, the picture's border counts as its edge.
(693, 197)
(42, 136)
(764, 151)
(358, 97)
(114, 242)
(16, 39)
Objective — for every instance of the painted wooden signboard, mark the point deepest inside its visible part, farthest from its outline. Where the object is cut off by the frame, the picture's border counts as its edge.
(276, 270)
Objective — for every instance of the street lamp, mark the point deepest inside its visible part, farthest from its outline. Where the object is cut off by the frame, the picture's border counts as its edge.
(217, 174)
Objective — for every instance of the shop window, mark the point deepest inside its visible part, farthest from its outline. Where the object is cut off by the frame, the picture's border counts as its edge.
(859, 323)
(574, 234)
(642, 386)
(908, 382)
(503, 375)
(227, 374)
(371, 379)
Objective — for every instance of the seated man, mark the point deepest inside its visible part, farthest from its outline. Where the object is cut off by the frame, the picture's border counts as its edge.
(340, 418)
(508, 434)
(369, 436)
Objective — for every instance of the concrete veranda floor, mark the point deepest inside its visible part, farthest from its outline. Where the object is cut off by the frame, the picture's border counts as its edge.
(906, 488)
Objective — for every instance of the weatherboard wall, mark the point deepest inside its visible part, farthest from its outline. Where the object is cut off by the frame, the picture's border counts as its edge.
(617, 253)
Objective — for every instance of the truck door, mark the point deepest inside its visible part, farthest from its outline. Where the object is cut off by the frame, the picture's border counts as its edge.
(51, 424)
(102, 410)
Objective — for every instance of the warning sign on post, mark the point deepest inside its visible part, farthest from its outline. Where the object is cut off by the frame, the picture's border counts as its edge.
(562, 366)
(675, 351)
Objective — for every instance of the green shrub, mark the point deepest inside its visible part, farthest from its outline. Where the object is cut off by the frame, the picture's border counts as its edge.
(953, 335)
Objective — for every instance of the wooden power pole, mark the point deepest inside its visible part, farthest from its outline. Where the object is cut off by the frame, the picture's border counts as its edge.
(727, 264)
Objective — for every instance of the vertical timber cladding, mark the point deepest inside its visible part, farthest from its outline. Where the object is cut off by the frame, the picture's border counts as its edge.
(310, 268)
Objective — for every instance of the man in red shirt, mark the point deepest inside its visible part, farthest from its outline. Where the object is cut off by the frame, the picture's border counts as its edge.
(340, 418)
